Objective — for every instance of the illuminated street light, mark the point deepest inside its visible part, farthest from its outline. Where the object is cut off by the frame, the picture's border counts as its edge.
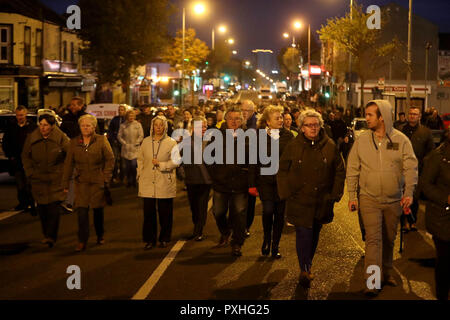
(199, 8)
(234, 52)
(222, 29)
(231, 41)
(286, 35)
(247, 63)
(297, 25)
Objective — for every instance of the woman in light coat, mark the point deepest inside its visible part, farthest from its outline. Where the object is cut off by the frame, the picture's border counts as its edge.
(157, 182)
(130, 136)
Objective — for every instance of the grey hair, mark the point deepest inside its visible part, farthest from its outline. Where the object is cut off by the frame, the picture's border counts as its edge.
(89, 117)
(250, 103)
(309, 114)
(234, 109)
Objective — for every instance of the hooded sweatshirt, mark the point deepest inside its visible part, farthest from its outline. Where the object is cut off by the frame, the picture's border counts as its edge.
(157, 181)
(384, 171)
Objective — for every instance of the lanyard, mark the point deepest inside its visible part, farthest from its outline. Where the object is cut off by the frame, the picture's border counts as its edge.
(153, 148)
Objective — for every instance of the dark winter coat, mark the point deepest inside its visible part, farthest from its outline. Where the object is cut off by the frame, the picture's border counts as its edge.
(43, 161)
(196, 173)
(435, 184)
(267, 184)
(113, 129)
(13, 142)
(230, 178)
(421, 140)
(70, 124)
(311, 178)
(146, 123)
(92, 167)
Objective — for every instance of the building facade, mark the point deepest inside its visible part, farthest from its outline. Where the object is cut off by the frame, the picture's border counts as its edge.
(40, 64)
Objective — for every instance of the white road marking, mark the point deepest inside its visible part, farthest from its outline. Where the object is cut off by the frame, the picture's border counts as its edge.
(145, 290)
(6, 214)
(148, 286)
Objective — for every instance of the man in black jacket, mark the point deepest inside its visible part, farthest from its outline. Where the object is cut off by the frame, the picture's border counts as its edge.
(230, 185)
(422, 142)
(69, 123)
(13, 142)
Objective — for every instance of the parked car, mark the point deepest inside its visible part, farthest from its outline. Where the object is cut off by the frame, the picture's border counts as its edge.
(358, 126)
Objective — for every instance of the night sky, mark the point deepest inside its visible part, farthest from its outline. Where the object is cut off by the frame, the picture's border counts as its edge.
(259, 24)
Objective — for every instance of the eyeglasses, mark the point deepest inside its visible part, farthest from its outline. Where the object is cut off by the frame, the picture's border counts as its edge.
(312, 125)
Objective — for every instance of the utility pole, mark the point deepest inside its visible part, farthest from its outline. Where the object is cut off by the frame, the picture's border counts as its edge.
(182, 63)
(408, 71)
(427, 49)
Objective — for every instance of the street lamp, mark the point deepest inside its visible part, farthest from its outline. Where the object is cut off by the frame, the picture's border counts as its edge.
(230, 41)
(199, 9)
(286, 35)
(222, 29)
(234, 52)
(247, 63)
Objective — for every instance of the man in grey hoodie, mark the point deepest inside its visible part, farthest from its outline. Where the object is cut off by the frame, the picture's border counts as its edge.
(383, 165)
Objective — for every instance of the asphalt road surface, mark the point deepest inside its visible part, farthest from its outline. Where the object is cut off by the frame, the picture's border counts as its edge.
(187, 270)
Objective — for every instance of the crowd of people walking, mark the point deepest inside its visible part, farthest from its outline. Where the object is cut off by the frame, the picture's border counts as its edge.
(388, 169)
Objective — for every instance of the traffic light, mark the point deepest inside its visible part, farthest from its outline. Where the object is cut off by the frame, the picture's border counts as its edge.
(226, 78)
(206, 62)
(327, 92)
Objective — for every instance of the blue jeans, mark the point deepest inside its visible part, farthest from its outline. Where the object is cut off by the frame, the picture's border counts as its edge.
(237, 205)
(307, 240)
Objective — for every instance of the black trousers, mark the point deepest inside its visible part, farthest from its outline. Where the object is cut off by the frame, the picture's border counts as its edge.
(250, 211)
(23, 190)
(273, 221)
(198, 195)
(83, 223)
(165, 213)
(442, 276)
(49, 215)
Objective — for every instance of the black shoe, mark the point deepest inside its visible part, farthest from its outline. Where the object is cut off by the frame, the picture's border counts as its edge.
(100, 240)
(33, 212)
(236, 251)
(191, 237)
(50, 243)
(200, 238)
(223, 241)
(20, 207)
(371, 293)
(163, 244)
(304, 280)
(265, 250)
(148, 246)
(275, 253)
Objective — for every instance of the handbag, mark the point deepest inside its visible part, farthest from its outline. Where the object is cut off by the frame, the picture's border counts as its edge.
(108, 197)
